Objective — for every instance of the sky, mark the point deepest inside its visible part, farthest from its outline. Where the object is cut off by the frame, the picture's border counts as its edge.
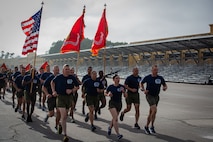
(128, 20)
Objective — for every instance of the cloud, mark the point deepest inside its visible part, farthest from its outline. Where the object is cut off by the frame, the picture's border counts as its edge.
(128, 21)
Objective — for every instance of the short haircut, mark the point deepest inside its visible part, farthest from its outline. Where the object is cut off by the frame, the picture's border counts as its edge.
(65, 65)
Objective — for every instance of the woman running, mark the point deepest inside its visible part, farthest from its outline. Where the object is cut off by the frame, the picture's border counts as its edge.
(115, 91)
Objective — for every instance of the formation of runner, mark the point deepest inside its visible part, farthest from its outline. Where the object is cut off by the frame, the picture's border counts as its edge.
(60, 91)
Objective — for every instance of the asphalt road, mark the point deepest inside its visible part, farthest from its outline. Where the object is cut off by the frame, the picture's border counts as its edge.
(185, 114)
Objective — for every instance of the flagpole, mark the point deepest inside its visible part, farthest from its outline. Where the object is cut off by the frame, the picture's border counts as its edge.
(34, 62)
(105, 51)
(78, 54)
(104, 59)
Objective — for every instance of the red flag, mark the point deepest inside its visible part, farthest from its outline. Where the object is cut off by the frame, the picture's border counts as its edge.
(4, 66)
(31, 29)
(27, 68)
(73, 40)
(101, 35)
(44, 65)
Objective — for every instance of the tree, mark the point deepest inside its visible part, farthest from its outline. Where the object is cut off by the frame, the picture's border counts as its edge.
(55, 48)
(7, 55)
(2, 54)
(11, 55)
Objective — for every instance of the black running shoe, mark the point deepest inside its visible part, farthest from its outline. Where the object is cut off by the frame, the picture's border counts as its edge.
(152, 130)
(72, 120)
(65, 139)
(95, 116)
(23, 117)
(99, 111)
(46, 118)
(122, 116)
(87, 117)
(28, 119)
(146, 130)
(137, 126)
(59, 129)
(31, 119)
(93, 128)
(16, 109)
(109, 131)
(119, 137)
(44, 108)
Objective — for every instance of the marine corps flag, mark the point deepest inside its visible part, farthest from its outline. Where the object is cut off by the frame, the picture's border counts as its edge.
(101, 35)
(73, 40)
(44, 65)
(4, 66)
(28, 67)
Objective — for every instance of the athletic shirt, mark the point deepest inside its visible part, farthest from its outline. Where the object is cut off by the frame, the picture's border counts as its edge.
(103, 81)
(47, 83)
(39, 75)
(15, 74)
(45, 75)
(153, 84)
(91, 87)
(18, 81)
(62, 83)
(116, 92)
(133, 82)
(4, 75)
(9, 76)
(85, 78)
(36, 82)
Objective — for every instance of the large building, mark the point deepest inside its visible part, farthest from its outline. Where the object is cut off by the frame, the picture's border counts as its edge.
(186, 59)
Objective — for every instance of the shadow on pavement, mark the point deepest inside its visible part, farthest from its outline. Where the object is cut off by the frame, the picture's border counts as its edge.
(130, 128)
(6, 102)
(99, 131)
(170, 139)
(42, 128)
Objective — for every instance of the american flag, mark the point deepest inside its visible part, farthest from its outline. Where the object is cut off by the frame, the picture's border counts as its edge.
(31, 29)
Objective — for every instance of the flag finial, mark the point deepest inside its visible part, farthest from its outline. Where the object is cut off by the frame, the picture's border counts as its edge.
(42, 3)
(105, 5)
(84, 8)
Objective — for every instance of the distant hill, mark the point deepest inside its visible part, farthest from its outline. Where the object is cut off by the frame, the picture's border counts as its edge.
(85, 44)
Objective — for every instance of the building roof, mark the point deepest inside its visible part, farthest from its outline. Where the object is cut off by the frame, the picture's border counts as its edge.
(195, 42)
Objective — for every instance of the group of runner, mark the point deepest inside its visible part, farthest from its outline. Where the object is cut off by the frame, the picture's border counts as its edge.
(61, 92)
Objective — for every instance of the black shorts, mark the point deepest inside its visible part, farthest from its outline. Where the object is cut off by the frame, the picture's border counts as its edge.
(152, 100)
(133, 98)
(92, 100)
(39, 90)
(115, 105)
(63, 101)
(20, 94)
(51, 103)
(101, 96)
(2, 85)
(30, 96)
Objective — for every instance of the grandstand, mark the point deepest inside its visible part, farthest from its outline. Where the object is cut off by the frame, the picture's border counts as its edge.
(185, 59)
